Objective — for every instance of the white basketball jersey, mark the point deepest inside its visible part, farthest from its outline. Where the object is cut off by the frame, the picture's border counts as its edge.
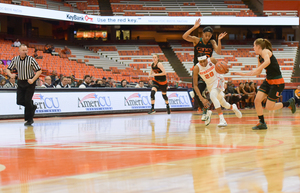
(210, 76)
(208, 73)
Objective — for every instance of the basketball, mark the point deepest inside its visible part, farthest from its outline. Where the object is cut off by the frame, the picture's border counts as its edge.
(221, 67)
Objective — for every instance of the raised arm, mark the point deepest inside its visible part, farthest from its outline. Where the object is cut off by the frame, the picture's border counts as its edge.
(186, 36)
(218, 47)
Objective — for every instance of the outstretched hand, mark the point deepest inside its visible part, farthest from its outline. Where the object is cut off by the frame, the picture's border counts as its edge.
(222, 35)
(206, 103)
(197, 23)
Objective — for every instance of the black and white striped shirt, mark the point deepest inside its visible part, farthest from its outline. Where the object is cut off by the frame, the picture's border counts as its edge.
(24, 67)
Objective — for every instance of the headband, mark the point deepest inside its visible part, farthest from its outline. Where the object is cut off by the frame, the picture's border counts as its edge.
(208, 29)
(202, 57)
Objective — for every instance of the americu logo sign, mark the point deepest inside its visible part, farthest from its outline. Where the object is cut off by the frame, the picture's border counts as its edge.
(177, 100)
(46, 104)
(138, 101)
(94, 102)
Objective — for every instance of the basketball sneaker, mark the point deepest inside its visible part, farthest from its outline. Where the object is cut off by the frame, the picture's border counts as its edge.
(292, 105)
(168, 110)
(260, 126)
(152, 111)
(222, 123)
(208, 117)
(204, 117)
(237, 111)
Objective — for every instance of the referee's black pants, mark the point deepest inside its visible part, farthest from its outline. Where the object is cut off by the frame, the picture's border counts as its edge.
(25, 93)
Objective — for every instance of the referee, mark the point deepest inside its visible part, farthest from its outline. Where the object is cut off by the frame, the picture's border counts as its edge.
(25, 65)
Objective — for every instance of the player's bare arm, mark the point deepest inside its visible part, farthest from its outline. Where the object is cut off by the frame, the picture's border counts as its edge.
(217, 47)
(266, 54)
(150, 73)
(213, 60)
(195, 86)
(162, 68)
(186, 36)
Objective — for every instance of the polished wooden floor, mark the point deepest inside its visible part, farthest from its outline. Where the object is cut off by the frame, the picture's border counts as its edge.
(137, 153)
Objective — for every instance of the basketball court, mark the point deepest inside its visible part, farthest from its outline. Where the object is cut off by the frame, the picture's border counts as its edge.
(151, 153)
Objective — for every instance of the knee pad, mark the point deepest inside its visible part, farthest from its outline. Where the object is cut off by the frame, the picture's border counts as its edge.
(165, 97)
(152, 95)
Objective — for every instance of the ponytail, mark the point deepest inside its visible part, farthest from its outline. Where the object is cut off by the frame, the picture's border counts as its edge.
(268, 44)
(264, 43)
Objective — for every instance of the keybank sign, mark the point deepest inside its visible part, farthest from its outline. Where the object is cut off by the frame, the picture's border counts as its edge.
(75, 17)
(145, 20)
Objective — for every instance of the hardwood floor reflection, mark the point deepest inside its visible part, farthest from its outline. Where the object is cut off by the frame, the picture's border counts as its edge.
(151, 153)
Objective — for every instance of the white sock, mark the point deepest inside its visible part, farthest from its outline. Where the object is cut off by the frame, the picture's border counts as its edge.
(221, 116)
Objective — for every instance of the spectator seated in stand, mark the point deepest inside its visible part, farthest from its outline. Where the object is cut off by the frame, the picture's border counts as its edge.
(11, 83)
(64, 53)
(63, 83)
(242, 95)
(86, 82)
(53, 76)
(123, 84)
(251, 95)
(99, 83)
(36, 56)
(231, 95)
(48, 48)
(140, 85)
(71, 81)
(253, 91)
(17, 43)
(107, 82)
(92, 81)
(48, 83)
(2, 82)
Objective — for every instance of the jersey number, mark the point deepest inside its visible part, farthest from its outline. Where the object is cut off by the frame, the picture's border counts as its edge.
(211, 74)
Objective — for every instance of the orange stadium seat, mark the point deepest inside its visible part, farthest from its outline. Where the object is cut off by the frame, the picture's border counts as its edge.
(6, 1)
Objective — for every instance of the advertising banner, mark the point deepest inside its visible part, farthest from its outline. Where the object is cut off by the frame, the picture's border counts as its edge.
(145, 20)
(49, 102)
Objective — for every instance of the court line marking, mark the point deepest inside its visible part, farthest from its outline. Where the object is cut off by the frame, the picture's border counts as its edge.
(2, 167)
(133, 146)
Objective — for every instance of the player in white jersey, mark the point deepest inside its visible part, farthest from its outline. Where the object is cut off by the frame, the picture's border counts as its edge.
(215, 85)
